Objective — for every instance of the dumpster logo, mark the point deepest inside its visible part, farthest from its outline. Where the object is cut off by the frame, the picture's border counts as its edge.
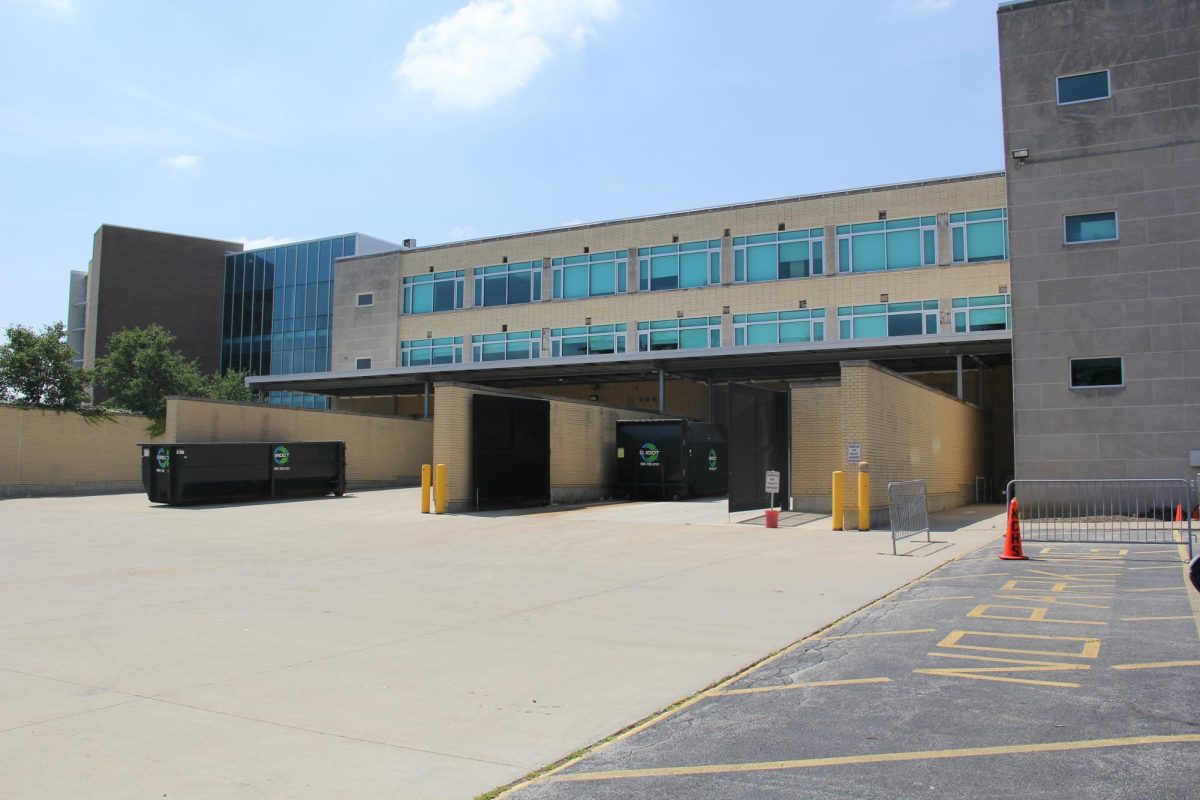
(281, 456)
(712, 460)
(649, 454)
(163, 457)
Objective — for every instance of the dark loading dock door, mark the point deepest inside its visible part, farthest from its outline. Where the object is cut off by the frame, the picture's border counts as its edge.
(511, 442)
(759, 435)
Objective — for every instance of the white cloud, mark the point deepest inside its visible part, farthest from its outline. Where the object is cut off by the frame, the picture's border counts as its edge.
(264, 241)
(491, 48)
(181, 162)
(922, 6)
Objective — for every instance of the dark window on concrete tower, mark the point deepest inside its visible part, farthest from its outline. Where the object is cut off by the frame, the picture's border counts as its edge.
(366, 299)
(1098, 227)
(362, 363)
(1089, 373)
(1084, 87)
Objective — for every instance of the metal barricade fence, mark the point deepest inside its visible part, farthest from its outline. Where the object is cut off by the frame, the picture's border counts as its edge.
(906, 508)
(1116, 511)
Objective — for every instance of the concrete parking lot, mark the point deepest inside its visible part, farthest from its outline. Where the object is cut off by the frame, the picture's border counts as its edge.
(355, 648)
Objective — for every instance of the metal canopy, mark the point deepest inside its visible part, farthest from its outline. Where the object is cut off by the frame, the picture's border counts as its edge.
(811, 360)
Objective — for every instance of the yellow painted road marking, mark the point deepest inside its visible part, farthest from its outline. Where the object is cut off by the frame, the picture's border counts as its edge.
(985, 673)
(877, 633)
(934, 599)
(807, 685)
(1095, 577)
(1153, 619)
(1053, 599)
(1158, 665)
(957, 577)
(1167, 566)
(880, 758)
(1036, 614)
(1090, 646)
(1156, 589)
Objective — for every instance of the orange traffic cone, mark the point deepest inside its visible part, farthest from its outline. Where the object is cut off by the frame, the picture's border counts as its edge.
(1179, 513)
(1012, 536)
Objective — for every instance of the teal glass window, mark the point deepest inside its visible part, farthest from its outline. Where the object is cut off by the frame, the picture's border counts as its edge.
(589, 275)
(434, 291)
(878, 320)
(979, 235)
(509, 346)
(779, 256)
(887, 244)
(1084, 87)
(587, 340)
(428, 352)
(977, 314)
(508, 284)
(679, 334)
(679, 266)
(1098, 227)
(779, 327)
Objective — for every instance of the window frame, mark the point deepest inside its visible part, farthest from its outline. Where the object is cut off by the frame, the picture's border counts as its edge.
(926, 228)
(712, 263)
(480, 276)
(358, 300)
(712, 324)
(617, 260)
(965, 224)
(814, 238)
(1116, 227)
(408, 347)
(930, 309)
(1058, 86)
(619, 331)
(816, 319)
(358, 362)
(410, 283)
(961, 307)
(1078, 388)
(479, 342)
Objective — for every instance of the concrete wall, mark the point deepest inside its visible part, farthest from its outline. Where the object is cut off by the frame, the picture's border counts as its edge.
(1135, 153)
(138, 277)
(380, 450)
(906, 430)
(582, 444)
(375, 332)
(44, 453)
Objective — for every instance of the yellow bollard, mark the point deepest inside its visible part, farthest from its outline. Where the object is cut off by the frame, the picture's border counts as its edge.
(839, 498)
(439, 484)
(426, 470)
(864, 496)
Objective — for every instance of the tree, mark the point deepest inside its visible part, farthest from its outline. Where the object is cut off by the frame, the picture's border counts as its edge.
(37, 369)
(142, 369)
(230, 386)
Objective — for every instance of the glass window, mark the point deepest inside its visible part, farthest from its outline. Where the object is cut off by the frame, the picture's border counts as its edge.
(506, 346)
(426, 352)
(779, 256)
(779, 327)
(508, 284)
(887, 244)
(438, 291)
(878, 320)
(587, 340)
(1083, 87)
(679, 266)
(1098, 227)
(1090, 373)
(989, 313)
(589, 275)
(979, 235)
(679, 334)
(362, 363)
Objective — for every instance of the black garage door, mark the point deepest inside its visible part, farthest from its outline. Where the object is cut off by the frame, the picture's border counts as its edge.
(759, 436)
(511, 443)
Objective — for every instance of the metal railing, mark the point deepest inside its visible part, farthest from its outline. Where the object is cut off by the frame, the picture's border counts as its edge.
(907, 511)
(1104, 511)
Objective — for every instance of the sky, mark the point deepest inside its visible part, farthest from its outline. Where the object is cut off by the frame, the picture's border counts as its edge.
(444, 120)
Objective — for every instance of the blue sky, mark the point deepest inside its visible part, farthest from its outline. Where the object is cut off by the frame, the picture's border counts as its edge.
(442, 120)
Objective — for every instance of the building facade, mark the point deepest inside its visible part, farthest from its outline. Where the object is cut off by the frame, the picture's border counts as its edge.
(1102, 135)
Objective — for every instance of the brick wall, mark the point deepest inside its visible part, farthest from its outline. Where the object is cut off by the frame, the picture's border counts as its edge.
(817, 448)
(44, 453)
(380, 450)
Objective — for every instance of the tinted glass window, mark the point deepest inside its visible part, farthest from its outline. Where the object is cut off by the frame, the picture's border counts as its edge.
(1080, 88)
(1094, 372)
(1090, 227)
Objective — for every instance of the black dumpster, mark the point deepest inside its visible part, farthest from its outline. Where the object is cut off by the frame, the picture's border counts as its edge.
(670, 459)
(222, 471)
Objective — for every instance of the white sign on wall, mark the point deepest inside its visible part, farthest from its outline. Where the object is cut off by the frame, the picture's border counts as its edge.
(853, 453)
(772, 481)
